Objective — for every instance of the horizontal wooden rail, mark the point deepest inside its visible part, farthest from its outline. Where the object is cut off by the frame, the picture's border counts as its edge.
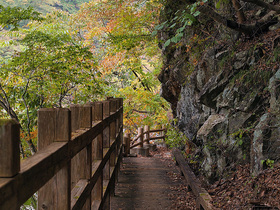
(144, 136)
(136, 138)
(203, 199)
(135, 145)
(148, 132)
(157, 130)
(71, 170)
(157, 137)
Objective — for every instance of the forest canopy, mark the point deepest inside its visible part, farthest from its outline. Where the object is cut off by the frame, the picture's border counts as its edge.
(57, 59)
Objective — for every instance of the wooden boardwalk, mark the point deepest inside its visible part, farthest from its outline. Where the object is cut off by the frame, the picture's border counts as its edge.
(144, 184)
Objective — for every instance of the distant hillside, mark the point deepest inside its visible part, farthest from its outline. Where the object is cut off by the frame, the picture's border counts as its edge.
(46, 6)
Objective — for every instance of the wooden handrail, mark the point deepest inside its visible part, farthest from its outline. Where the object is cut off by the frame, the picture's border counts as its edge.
(203, 199)
(146, 136)
(97, 137)
(157, 130)
(136, 138)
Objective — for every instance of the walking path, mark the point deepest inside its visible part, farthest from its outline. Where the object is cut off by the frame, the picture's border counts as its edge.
(146, 183)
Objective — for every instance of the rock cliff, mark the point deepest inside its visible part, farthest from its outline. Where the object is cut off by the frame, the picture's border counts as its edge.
(224, 89)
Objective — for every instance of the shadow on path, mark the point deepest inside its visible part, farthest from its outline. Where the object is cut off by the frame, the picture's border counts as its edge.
(144, 184)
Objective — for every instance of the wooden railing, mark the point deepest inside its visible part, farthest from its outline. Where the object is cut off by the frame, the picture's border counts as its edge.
(203, 199)
(143, 136)
(78, 158)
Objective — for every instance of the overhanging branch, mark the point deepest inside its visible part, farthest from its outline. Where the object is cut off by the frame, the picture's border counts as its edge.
(265, 5)
(249, 29)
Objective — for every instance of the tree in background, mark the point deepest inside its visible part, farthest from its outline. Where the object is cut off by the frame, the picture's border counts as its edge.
(47, 6)
(52, 69)
(107, 49)
(119, 34)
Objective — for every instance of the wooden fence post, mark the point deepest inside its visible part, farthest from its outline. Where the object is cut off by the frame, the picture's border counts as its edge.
(113, 109)
(106, 146)
(81, 118)
(10, 155)
(119, 139)
(127, 144)
(121, 119)
(147, 134)
(140, 132)
(118, 124)
(97, 155)
(75, 162)
(9, 145)
(54, 125)
(86, 123)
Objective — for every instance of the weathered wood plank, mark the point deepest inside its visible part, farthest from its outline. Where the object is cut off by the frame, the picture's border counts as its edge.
(146, 133)
(157, 137)
(35, 172)
(9, 146)
(55, 155)
(96, 204)
(203, 198)
(87, 190)
(127, 144)
(77, 192)
(140, 133)
(157, 130)
(55, 194)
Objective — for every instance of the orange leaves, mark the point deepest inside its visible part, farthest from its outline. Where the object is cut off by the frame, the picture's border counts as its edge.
(119, 35)
(110, 63)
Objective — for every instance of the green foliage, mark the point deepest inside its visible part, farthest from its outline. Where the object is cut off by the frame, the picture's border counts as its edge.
(31, 203)
(242, 139)
(53, 69)
(218, 4)
(181, 20)
(12, 16)
(267, 163)
(276, 53)
(174, 137)
(58, 61)
(47, 6)
(119, 34)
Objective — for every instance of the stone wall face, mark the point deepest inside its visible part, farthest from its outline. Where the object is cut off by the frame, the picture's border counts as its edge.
(229, 121)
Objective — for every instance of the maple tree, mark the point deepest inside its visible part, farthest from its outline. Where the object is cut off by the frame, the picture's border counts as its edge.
(58, 63)
(120, 34)
(107, 49)
(52, 69)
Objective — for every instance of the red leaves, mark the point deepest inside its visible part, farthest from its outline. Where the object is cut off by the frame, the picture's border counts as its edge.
(241, 190)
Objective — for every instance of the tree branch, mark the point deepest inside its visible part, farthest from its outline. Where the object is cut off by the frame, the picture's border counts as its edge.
(29, 141)
(143, 84)
(240, 14)
(265, 5)
(4, 103)
(249, 29)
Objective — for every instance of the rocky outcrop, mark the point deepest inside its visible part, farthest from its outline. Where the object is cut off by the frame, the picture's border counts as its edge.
(230, 123)
(225, 104)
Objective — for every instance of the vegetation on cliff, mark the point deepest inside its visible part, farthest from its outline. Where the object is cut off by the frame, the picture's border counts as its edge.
(221, 75)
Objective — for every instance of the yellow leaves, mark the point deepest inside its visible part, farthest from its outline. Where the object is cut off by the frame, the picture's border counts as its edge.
(110, 63)
(118, 32)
